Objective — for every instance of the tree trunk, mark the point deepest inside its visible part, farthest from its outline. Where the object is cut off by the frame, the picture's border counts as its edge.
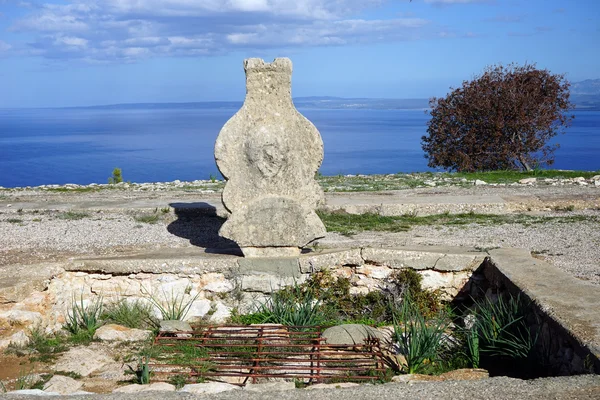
(524, 163)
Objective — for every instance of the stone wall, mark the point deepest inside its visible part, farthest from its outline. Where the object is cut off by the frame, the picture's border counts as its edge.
(218, 285)
(567, 338)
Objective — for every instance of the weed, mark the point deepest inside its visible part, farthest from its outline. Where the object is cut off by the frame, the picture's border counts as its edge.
(165, 210)
(70, 374)
(142, 371)
(83, 320)
(174, 307)
(117, 176)
(14, 220)
(24, 381)
(72, 215)
(46, 346)
(135, 314)
(178, 381)
(147, 218)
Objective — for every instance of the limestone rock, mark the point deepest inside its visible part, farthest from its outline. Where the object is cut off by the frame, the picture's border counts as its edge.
(269, 386)
(527, 181)
(82, 360)
(269, 154)
(174, 326)
(350, 334)
(339, 385)
(114, 332)
(158, 386)
(33, 392)
(208, 388)
(479, 183)
(62, 384)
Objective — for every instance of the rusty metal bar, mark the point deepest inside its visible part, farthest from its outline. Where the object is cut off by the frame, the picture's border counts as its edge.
(267, 351)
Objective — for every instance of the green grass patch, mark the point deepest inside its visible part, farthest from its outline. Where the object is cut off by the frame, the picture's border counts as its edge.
(73, 215)
(135, 314)
(515, 176)
(349, 224)
(147, 218)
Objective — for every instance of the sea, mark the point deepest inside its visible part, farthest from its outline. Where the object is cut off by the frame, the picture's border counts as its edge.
(84, 145)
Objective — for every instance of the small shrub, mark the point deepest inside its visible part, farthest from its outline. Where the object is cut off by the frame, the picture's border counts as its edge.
(72, 215)
(117, 176)
(178, 381)
(147, 218)
(45, 346)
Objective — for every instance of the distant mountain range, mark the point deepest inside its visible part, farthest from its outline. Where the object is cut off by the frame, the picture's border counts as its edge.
(585, 95)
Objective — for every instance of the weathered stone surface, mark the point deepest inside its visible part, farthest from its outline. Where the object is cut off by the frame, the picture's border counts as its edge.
(465, 374)
(82, 360)
(450, 259)
(329, 259)
(114, 332)
(268, 386)
(350, 334)
(269, 154)
(174, 326)
(527, 181)
(19, 281)
(62, 384)
(158, 386)
(32, 392)
(208, 388)
(339, 385)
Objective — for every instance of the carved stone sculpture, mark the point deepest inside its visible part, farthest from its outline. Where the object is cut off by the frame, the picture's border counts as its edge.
(269, 154)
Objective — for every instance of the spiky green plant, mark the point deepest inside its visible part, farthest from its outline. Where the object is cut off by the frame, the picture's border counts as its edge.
(173, 307)
(502, 328)
(419, 340)
(296, 309)
(82, 319)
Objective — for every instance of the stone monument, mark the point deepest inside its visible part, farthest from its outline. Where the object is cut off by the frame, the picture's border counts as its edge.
(269, 154)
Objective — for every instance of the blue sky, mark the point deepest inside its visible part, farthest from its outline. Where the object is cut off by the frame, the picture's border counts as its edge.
(89, 52)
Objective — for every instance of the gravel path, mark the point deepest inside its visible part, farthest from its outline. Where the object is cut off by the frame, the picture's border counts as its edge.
(43, 231)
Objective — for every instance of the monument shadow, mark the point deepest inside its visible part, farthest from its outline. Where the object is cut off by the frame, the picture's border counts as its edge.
(199, 223)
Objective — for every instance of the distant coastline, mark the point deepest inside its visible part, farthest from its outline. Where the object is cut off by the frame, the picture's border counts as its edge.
(585, 102)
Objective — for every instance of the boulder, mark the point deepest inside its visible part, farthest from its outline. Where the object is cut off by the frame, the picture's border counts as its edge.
(175, 326)
(83, 361)
(62, 384)
(350, 334)
(114, 332)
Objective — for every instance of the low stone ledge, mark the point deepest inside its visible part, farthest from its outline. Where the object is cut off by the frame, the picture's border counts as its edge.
(315, 262)
(572, 305)
(17, 282)
(445, 259)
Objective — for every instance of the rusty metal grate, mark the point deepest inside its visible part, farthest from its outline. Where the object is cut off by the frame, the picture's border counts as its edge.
(236, 354)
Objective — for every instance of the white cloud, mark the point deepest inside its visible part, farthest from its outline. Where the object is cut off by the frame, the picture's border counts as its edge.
(125, 30)
(4, 46)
